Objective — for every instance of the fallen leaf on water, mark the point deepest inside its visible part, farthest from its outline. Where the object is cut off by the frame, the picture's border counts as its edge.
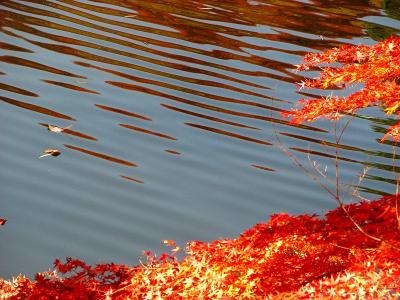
(52, 152)
(57, 129)
(3, 221)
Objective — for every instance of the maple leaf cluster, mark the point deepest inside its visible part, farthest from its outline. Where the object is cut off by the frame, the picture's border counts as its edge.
(288, 257)
(377, 67)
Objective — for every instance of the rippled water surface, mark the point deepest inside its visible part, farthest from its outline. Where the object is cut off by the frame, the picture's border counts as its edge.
(172, 111)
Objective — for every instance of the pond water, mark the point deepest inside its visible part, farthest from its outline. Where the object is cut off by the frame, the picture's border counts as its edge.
(174, 127)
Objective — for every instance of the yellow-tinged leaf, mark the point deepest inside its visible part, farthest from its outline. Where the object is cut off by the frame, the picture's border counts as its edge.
(393, 108)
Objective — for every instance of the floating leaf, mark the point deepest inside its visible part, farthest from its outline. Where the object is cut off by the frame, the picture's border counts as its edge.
(57, 129)
(52, 152)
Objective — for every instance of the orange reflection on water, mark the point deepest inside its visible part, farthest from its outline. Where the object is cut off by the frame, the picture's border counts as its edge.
(219, 120)
(264, 168)
(131, 179)
(185, 89)
(17, 90)
(35, 65)
(173, 152)
(178, 32)
(90, 56)
(36, 108)
(139, 129)
(230, 134)
(102, 156)
(7, 46)
(123, 112)
(322, 142)
(143, 89)
(70, 86)
(318, 153)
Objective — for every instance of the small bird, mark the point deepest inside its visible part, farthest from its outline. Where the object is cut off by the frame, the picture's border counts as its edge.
(52, 152)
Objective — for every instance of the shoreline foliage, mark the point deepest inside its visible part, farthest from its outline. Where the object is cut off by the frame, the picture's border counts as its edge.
(288, 257)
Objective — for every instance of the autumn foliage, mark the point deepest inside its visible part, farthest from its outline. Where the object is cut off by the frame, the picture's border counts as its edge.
(351, 253)
(376, 67)
(287, 257)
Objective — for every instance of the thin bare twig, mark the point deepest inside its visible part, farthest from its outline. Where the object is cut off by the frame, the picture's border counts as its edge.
(396, 176)
(335, 194)
(357, 187)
